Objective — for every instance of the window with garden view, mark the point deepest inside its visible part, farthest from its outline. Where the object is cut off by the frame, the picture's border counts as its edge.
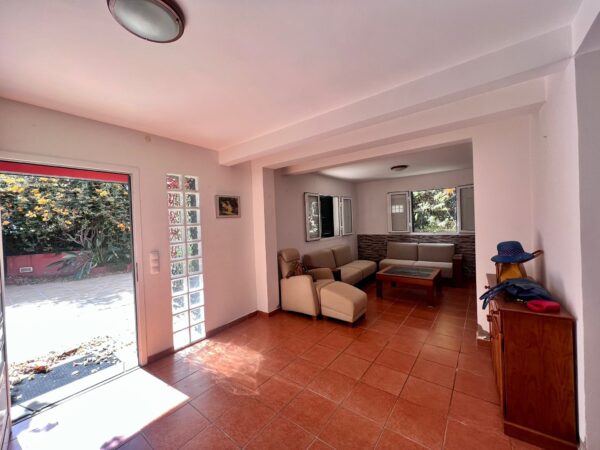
(434, 211)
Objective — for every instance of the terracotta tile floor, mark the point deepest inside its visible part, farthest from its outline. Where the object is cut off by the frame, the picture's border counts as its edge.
(405, 377)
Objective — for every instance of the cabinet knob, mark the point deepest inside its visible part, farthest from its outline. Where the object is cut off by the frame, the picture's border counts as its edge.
(489, 317)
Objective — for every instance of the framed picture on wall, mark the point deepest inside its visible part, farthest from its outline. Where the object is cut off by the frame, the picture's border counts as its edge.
(227, 206)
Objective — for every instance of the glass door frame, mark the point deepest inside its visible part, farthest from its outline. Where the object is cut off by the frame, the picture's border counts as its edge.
(5, 433)
(136, 220)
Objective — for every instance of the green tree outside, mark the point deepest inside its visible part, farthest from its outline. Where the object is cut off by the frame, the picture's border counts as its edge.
(52, 215)
(434, 211)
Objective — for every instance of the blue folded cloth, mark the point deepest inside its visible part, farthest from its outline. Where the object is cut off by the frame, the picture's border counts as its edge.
(517, 288)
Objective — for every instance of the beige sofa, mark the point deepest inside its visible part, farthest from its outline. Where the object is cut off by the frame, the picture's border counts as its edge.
(339, 259)
(316, 292)
(438, 256)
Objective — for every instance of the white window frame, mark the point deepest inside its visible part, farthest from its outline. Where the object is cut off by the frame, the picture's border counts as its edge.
(459, 227)
(337, 210)
(343, 225)
(407, 196)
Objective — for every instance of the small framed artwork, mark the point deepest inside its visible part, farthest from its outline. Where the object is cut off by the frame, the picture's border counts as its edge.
(227, 206)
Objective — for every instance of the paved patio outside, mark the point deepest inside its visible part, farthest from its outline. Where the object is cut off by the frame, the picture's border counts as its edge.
(59, 316)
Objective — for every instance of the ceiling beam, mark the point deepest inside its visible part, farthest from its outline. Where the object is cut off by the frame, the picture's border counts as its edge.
(517, 63)
(341, 149)
(583, 21)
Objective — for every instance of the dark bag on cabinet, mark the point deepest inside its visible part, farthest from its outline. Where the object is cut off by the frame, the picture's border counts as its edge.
(517, 288)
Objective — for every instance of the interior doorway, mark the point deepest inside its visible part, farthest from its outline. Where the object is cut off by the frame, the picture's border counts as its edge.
(69, 281)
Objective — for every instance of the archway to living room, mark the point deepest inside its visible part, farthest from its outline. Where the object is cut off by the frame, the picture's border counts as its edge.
(416, 196)
(69, 296)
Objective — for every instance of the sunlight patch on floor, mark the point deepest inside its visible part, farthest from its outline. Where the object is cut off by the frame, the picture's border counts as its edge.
(102, 418)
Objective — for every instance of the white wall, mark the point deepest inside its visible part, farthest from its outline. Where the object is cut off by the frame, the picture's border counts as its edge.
(501, 175)
(555, 190)
(556, 212)
(587, 69)
(37, 134)
(289, 203)
(372, 198)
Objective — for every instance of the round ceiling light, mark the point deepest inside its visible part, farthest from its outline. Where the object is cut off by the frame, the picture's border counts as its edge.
(153, 20)
(399, 168)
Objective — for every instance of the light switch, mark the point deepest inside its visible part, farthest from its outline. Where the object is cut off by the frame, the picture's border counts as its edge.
(154, 262)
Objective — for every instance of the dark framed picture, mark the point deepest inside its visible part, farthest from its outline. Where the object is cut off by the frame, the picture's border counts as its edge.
(227, 206)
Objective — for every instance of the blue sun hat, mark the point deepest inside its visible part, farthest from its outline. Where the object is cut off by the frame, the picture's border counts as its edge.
(512, 252)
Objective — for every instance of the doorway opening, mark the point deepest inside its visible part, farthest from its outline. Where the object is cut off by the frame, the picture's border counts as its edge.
(69, 281)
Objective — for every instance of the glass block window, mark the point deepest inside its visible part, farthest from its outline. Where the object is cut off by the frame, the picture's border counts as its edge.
(185, 253)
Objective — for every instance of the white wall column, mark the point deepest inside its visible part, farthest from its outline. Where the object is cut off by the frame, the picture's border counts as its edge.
(587, 69)
(501, 175)
(265, 238)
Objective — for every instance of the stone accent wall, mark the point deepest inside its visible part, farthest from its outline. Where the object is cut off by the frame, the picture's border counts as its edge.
(374, 246)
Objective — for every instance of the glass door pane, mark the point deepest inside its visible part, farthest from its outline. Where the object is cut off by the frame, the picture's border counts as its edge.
(70, 288)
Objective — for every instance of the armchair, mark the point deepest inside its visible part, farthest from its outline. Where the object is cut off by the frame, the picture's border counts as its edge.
(301, 293)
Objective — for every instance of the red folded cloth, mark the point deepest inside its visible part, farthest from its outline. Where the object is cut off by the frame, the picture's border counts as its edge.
(543, 306)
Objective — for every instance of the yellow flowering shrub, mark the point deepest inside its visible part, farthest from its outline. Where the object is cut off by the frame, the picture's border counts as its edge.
(47, 214)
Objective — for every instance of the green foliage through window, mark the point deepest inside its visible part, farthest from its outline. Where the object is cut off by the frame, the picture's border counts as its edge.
(434, 211)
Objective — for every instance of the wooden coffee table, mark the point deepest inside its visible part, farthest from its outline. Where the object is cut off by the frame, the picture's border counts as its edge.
(410, 276)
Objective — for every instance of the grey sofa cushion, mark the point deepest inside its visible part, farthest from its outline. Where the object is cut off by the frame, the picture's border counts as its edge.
(436, 252)
(320, 258)
(395, 262)
(445, 267)
(402, 250)
(342, 255)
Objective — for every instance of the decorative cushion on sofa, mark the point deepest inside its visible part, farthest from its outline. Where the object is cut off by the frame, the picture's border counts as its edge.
(320, 258)
(402, 250)
(342, 255)
(436, 252)
(296, 269)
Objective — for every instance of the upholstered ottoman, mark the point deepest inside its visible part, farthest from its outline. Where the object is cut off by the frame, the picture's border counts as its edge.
(343, 301)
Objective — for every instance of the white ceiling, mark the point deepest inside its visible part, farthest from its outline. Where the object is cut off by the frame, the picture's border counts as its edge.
(246, 68)
(454, 157)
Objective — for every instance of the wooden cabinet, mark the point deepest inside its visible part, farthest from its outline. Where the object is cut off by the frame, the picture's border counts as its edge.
(533, 355)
